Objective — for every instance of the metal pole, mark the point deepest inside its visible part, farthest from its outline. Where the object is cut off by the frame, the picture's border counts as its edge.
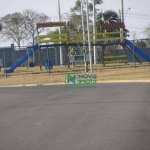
(61, 54)
(84, 48)
(122, 20)
(5, 64)
(33, 57)
(28, 59)
(122, 11)
(89, 40)
(133, 54)
(94, 31)
(48, 62)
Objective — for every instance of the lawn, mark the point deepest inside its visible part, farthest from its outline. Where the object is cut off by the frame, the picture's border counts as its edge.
(109, 73)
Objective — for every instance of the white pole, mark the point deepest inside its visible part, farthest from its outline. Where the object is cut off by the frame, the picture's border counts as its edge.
(82, 21)
(89, 40)
(122, 20)
(83, 28)
(122, 11)
(94, 31)
(61, 53)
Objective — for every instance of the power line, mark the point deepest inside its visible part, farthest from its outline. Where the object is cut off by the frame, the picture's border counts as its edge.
(137, 15)
(135, 27)
(133, 13)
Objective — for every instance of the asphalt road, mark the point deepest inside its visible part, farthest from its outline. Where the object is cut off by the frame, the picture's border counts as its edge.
(112, 116)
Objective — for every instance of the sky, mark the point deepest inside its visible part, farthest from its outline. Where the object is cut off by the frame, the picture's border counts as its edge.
(136, 18)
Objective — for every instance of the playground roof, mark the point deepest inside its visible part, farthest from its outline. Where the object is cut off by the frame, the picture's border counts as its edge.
(110, 26)
(50, 24)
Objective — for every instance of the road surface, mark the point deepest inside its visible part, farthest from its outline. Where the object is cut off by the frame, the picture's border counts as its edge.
(113, 116)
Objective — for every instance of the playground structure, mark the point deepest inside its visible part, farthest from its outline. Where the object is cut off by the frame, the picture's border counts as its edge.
(107, 36)
(25, 57)
(107, 28)
(55, 39)
(51, 38)
(103, 38)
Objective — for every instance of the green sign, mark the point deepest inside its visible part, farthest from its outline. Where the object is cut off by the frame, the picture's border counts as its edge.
(80, 80)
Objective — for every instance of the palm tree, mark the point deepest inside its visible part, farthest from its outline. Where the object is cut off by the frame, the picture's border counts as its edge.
(108, 16)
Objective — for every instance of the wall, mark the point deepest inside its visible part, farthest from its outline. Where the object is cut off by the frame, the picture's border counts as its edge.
(13, 55)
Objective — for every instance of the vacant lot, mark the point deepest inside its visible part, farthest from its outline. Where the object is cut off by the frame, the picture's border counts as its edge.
(23, 75)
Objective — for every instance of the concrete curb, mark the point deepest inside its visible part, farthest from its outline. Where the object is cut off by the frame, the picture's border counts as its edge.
(29, 85)
(125, 81)
(111, 81)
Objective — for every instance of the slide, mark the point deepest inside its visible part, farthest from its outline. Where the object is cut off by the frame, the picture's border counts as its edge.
(25, 57)
(138, 50)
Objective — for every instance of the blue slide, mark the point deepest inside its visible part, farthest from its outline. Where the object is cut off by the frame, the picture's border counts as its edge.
(25, 57)
(138, 50)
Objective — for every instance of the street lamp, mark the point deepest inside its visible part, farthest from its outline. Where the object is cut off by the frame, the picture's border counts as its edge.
(126, 12)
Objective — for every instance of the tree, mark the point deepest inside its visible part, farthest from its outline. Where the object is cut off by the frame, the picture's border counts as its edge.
(134, 35)
(141, 44)
(147, 31)
(0, 27)
(99, 2)
(31, 18)
(108, 16)
(19, 27)
(74, 27)
(147, 34)
(75, 19)
(13, 28)
(77, 7)
(75, 23)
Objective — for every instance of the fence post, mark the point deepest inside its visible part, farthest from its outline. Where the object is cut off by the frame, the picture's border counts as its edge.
(134, 55)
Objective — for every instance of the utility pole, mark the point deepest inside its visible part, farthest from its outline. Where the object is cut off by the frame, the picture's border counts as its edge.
(122, 20)
(122, 11)
(94, 31)
(89, 40)
(61, 52)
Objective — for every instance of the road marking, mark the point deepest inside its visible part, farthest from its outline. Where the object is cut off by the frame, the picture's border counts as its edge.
(39, 123)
